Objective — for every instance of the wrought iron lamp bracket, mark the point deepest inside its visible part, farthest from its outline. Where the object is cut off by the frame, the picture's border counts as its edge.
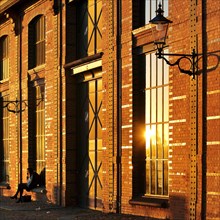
(192, 58)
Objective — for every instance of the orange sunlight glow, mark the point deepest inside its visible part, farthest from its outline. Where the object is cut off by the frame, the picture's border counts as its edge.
(150, 135)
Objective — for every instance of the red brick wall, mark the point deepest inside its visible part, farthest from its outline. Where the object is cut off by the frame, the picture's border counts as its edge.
(180, 121)
(50, 72)
(59, 109)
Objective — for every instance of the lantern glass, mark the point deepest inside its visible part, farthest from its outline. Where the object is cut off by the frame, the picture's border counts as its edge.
(159, 32)
(159, 28)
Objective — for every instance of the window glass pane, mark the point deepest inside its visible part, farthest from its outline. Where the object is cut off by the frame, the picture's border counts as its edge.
(166, 140)
(165, 177)
(160, 72)
(99, 26)
(165, 8)
(159, 141)
(40, 41)
(147, 11)
(148, 141)
(148, 181)
(98, 110)
(40, 129)
(166, 70)
(154, 71)
(160, 177)
(89, 24)
(4, 59)
(153, 177)
(36, 42)
(148, 71)
(99, 169)
(153, 105)
(147, 106)
(91, 29)
(153, 141)
(159, 104)
(99, 123)
(92, 104)
(4, 146)
(151, 7)
(157, 126)
(82, 27)
(166, 103)
(91, 116)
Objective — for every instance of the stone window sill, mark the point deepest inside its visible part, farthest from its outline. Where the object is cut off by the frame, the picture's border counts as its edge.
(84, 60)
(159, 202)
(37, 69)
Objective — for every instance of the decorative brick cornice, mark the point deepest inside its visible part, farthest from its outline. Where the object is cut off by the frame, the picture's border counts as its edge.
(13, 19)
(6, 4)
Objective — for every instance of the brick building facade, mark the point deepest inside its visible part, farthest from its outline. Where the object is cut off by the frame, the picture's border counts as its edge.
(86, 103)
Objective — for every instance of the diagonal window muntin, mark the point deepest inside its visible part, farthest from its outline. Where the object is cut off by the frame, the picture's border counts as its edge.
(89, 22)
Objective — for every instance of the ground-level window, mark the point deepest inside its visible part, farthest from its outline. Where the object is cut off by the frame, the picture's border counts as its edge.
(157, 125)
(36, 127)
(4, 141)
(40, 130)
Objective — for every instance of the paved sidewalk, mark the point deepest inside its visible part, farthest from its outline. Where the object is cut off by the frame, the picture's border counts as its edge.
(34, 210)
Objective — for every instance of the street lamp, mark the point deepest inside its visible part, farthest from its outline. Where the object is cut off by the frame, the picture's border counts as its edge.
(160, 26)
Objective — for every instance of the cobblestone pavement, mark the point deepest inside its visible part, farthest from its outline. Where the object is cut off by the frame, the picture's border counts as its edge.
(34, 210)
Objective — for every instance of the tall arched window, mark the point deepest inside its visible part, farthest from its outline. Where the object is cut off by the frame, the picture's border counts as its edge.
(151, 114)
(156, 115)
(157, 125)
(4, 59)
(36, 127)
(40, 129)
(36, 42)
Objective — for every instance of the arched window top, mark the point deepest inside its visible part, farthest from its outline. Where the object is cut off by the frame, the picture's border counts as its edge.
(4, 46)
(36, 41)
(3, 37)
(4, 58)
(35, 19)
